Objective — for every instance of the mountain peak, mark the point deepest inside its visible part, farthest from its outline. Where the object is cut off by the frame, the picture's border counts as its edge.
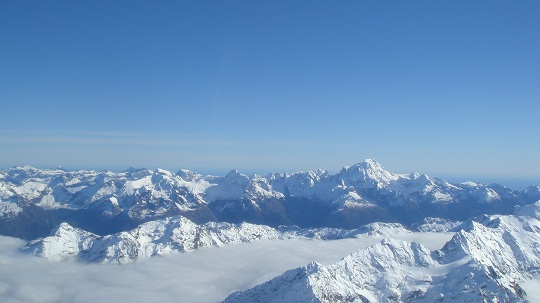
(161, 171)
(369, 172)
(233, 173)
(370, 163)
(366, 165)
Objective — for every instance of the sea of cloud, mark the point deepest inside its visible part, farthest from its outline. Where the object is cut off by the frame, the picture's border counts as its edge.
(205, 275)
(532, 288)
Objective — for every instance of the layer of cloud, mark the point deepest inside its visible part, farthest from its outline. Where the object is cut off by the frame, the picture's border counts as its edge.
(120, 150)
(206, 275)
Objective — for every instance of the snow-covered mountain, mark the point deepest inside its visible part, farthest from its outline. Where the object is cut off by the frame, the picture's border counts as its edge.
(483, 262)
(178, 234)
(107, 217)
(34, 201)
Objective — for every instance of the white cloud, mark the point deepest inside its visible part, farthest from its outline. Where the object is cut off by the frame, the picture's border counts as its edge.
(205, 275)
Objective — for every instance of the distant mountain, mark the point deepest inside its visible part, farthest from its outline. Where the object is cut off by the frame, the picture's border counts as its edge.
(483, 262)
(34, 201)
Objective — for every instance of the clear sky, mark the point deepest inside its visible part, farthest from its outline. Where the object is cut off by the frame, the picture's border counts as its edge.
(448, 88)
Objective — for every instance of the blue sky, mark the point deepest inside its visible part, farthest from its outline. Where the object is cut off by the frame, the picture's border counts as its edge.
(448, 88)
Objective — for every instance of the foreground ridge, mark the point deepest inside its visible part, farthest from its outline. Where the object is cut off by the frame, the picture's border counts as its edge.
(484, 262)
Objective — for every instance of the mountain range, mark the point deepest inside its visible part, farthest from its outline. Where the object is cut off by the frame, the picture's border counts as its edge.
(34, 201)
(124, 217)
(486, 260)
(178, 234)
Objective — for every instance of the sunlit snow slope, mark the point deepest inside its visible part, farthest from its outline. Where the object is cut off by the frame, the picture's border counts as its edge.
(483, 262)
(34, 201)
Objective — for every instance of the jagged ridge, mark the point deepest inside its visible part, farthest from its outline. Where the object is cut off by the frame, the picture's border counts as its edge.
(177, 234)
(34, 201)
(484, 262)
